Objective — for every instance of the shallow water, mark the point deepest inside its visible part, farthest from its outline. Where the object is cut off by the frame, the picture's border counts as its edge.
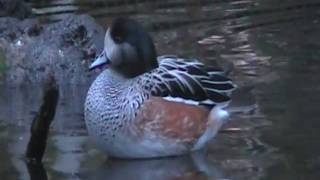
(271, 49)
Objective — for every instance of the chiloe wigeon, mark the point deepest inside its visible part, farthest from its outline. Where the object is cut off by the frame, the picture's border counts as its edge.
(144, 106)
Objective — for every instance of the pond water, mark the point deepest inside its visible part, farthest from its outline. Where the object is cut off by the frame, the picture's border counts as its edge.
(272, 51)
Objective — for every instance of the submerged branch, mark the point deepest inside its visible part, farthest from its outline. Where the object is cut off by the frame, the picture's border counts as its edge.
(41, 123)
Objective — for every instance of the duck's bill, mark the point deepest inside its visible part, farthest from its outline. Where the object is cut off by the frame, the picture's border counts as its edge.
(100, 61)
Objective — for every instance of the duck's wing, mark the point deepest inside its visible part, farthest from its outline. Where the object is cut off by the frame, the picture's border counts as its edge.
(190, 81)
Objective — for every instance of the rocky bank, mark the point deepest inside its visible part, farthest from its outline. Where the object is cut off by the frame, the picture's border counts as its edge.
(32, 50)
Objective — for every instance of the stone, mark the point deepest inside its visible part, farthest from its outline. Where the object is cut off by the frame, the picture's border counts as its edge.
(64, 49)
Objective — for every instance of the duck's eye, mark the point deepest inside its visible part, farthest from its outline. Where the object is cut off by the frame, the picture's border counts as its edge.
(118, 38)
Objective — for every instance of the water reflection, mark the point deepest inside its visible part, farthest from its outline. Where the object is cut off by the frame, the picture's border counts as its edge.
(70, 155)
(167, 168)
(292, 101)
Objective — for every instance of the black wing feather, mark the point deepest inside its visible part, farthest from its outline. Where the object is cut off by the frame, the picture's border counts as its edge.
(192, 80)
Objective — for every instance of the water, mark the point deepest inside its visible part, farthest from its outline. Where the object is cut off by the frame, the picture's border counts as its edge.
(271, 49)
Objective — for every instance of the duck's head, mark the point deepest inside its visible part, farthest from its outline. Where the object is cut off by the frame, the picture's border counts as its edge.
(128, 49)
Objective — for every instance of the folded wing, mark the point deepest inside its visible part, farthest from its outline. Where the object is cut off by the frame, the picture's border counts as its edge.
(192, 81)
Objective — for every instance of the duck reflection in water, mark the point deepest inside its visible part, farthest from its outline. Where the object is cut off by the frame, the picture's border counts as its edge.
(194, 166)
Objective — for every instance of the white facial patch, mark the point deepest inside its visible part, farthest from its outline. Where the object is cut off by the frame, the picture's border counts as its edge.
(110, 46)
(116, 53)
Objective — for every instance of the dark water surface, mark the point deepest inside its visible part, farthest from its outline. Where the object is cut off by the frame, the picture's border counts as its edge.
(271, 48)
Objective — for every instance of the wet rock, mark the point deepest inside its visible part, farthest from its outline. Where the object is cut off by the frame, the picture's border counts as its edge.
(34, 50)
(15, 8)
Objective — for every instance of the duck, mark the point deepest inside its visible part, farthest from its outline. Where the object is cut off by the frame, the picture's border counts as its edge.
(145, 106)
